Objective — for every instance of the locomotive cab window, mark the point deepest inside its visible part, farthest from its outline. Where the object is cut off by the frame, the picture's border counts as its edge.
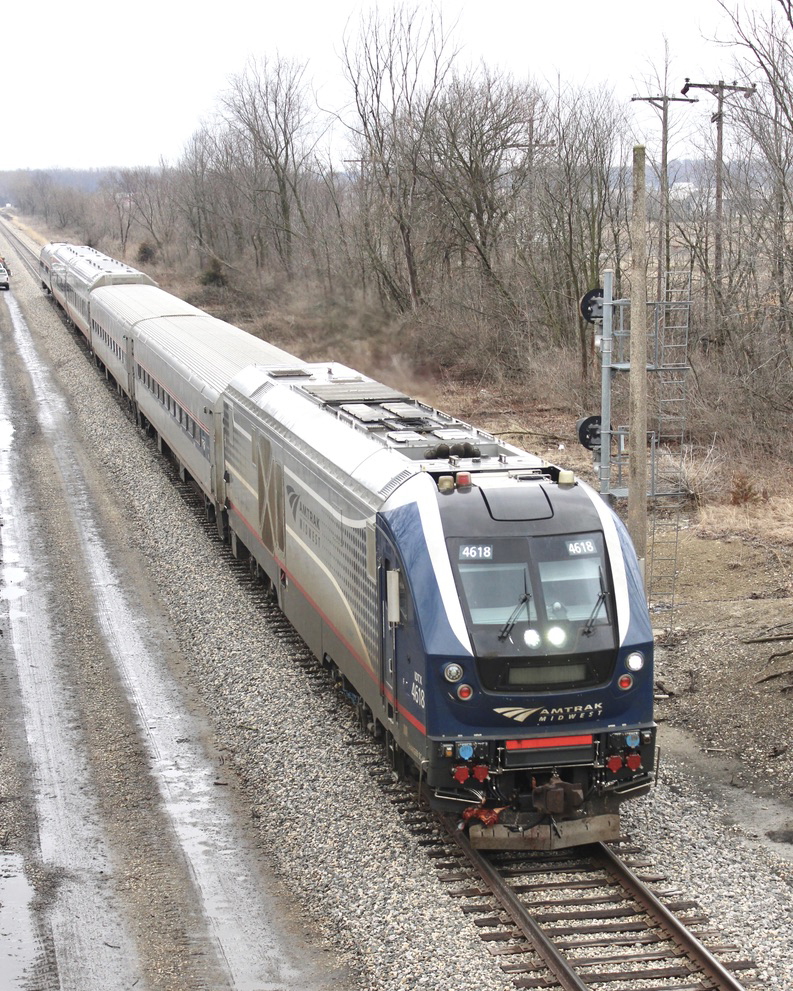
(539, 609)
(494, 590)
(572, 574)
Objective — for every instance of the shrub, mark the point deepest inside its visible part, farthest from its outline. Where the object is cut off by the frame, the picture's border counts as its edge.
(213, 274)
(743, 490)
(146, 253)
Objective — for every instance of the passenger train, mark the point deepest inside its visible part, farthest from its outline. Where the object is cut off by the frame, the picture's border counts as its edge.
(485, 608)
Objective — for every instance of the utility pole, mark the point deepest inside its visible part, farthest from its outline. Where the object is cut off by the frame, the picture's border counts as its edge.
(662, 103)
(719, 90)
(637, 436)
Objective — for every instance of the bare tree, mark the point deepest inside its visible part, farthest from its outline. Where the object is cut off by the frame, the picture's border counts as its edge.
(35, 191)
(396, 67)
(151, 198)
(767, 43)
(268, 111)
(580, 199)
(478, 156)
(194, 191)
(116, 192)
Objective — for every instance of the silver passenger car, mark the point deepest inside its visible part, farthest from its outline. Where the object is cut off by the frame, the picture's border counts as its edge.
(116, 312)
(174, 361)
(71, 272)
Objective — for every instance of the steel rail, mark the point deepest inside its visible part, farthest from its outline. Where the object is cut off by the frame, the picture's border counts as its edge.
(688, 943)
(703, 962)
(555, 961)
(27, 255)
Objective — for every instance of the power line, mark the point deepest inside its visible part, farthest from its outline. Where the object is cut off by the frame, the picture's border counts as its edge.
(662, 103)
(719, 90)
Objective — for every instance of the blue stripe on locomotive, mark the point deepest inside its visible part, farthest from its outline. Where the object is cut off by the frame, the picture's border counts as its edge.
(404, 524)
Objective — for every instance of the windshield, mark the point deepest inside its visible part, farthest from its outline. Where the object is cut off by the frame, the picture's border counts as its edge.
(546, 591)
(539, 610)
(494, 591)
(572, 588)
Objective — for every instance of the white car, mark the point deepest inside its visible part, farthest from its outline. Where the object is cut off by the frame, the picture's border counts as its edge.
(4, 276)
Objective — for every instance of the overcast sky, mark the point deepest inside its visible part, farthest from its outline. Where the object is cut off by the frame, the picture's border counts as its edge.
(105, 83)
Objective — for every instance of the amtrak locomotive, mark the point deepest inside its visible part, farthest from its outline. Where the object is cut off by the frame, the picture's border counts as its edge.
(485, 607)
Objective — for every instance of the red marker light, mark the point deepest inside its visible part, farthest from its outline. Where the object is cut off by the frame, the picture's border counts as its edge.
(463, 479)
(464, 692)
(625, 682)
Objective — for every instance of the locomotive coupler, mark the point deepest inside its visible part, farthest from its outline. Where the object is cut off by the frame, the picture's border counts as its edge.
(557, 797)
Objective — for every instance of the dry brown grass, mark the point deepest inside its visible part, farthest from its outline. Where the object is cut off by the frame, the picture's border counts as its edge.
(23, 228)
(769, 521)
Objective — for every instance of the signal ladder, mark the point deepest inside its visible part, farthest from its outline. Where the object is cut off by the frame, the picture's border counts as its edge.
(670, 369)
(667, 369)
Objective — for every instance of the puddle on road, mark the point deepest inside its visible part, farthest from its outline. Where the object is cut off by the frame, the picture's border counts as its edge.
(17, 933)
(6, 433)
(12, 582)
(92, 949)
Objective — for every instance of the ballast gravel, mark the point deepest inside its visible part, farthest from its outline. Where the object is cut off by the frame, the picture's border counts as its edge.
(329, 832)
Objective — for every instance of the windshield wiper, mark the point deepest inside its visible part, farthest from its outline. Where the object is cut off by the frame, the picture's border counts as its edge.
(506, 629)
(588, 628)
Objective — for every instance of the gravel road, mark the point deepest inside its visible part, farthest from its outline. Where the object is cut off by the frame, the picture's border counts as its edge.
(126, 861)
(376, 916)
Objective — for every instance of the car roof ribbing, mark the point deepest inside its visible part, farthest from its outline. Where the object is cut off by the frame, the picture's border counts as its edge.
(93, 272)
(209, 349)
(133, 303)
(91, 265)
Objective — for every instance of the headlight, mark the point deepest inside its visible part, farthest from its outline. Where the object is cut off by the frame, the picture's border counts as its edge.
(634, 661)
(452, 673)
(531, 638)
(556, 636)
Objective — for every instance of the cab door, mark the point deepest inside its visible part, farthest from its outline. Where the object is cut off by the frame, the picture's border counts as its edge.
(389, 586)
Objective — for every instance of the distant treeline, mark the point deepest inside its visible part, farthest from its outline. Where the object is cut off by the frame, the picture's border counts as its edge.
(84, 180)
(454, 217)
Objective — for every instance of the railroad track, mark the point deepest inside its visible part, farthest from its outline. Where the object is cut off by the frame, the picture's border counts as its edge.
(590, 917)
(27, 250)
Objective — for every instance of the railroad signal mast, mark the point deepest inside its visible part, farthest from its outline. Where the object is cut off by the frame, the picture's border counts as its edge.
(666, 370)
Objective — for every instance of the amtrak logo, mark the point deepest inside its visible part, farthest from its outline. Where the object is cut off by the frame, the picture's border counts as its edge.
(519, 715)
(555, 714)
(294, 500)
(307, 520)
